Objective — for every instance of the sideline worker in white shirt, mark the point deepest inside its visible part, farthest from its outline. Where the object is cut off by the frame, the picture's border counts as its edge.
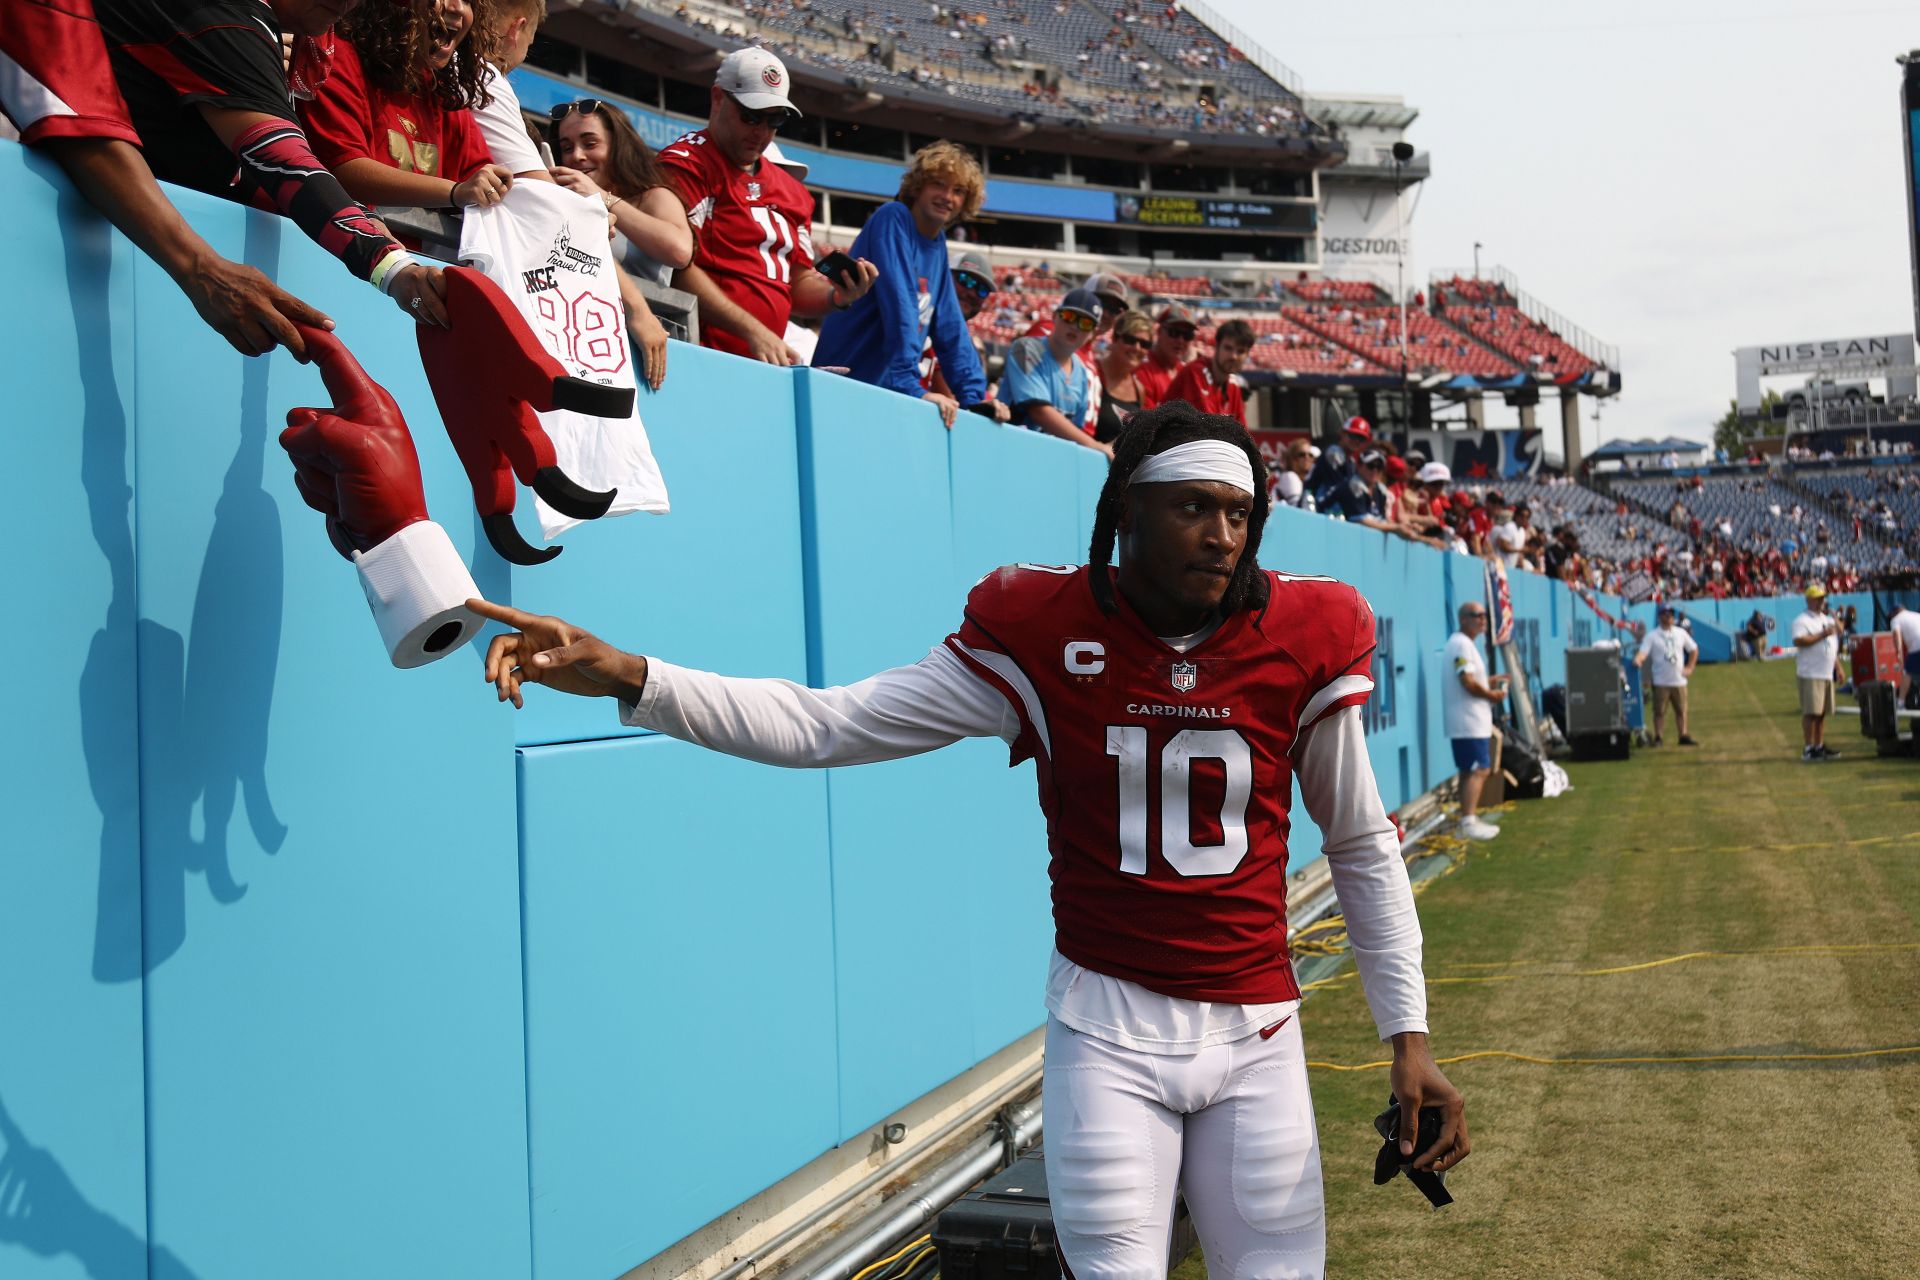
(1674, 656)
(1467, 705)
(1905, 625)
(1816, 636)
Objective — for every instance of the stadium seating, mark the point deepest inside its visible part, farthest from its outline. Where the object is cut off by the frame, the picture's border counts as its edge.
(1174, 286)
(1486, 310)
(1433, 346)
(1765, 515)
(1357, 291)
(1118, 61)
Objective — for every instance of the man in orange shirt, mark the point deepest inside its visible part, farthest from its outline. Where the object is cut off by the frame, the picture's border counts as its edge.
(1209, 384)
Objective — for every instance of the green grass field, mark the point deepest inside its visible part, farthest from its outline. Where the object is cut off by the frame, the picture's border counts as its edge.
(1759, 1169)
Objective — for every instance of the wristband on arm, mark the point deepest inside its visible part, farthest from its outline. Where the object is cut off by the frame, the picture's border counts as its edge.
(279, 172)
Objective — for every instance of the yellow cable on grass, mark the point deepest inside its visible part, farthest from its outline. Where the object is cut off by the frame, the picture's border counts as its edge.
(1503, 1054)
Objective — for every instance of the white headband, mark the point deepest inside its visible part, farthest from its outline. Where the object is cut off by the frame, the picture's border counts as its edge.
(1197, 460)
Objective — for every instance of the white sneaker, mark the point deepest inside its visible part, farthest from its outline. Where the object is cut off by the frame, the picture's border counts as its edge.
(1474, 829)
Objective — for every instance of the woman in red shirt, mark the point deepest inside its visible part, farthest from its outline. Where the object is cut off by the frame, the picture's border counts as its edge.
(392, 121)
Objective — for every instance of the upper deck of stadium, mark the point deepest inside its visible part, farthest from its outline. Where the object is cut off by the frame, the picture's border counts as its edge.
(1153, 78)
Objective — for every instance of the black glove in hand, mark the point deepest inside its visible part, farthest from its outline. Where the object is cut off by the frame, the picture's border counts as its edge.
(1390, 1162)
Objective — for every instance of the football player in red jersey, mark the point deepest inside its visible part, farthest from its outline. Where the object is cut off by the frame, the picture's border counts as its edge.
(753, 222)
(1169, 709)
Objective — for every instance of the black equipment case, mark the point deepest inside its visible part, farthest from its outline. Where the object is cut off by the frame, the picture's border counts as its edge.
(1003, 1228)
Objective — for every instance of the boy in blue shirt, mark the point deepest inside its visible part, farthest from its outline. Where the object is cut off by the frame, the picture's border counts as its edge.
(1045, 384)
(880, 337)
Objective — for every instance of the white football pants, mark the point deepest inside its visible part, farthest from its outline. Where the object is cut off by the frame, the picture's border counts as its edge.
(1231, 1125)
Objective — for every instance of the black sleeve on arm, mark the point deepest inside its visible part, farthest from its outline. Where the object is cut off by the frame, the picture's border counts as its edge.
(279, 171)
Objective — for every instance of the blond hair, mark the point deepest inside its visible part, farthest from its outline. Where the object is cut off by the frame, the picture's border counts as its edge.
(948, 162)
(1131, 322)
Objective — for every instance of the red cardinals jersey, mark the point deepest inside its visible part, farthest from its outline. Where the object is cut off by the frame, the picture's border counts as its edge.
(350, 119)
(1166, 777)
(1153, 379)
(1195, 385)
(753, 232)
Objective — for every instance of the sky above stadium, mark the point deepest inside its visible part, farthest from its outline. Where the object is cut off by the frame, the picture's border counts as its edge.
(1678, 177)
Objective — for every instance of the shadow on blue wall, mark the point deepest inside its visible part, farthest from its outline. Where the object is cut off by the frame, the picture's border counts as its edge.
(44, 1213)
(111, 653)
(209, 694)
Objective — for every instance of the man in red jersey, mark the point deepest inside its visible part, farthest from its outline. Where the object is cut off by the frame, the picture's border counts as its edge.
(1168, 708)
(1208, 383)
(752, 221)
(1172, 348)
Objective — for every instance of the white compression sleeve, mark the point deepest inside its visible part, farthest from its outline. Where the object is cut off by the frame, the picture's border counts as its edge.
(1369, 877)
(902, 712)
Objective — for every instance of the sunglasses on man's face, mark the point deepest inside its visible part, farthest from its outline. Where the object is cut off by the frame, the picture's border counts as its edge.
(1183, 334)
(974, 284)
(774, 120)
(1084, 323)
(586, 107)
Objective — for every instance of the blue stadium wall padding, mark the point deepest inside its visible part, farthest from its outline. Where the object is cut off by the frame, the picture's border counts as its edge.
(72, 1088)
(680, 998)
(716, 583)
(879, 584)
(334, 1034)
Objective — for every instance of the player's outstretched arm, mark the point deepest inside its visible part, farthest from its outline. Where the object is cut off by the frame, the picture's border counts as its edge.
(237, 302)
(557, 654)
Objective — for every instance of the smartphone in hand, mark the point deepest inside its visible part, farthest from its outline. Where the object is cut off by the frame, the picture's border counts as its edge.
(839, 268)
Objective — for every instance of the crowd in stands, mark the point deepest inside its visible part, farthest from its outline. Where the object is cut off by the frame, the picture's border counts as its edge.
(1090, 61)
(1665, 539)
(412, 108)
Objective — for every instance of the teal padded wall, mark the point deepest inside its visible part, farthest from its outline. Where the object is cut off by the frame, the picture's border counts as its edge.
(72, 1108)
(716, 582)
(680, 995)
(330, 867)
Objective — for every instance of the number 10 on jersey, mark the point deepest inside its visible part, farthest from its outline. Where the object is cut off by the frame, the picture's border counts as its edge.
(1129, 744)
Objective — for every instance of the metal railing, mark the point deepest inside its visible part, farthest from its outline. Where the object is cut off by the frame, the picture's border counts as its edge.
(1601, 353)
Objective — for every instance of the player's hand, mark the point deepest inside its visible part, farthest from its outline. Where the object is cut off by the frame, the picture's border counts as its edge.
(1417, 1083)
(488, 186)
(858, 282)
(577, 182)
(947, 406)
(767, 347)
(557, 654)
(247, 309)
(651, 337)
(422, 294)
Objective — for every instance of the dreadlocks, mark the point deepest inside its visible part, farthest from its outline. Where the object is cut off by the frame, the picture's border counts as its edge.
(1151, 432)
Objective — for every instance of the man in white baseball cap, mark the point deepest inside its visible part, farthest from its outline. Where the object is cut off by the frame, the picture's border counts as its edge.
(753, 258)
(756, 80)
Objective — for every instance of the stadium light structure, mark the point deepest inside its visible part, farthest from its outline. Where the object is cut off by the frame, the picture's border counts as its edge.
(1402, 152)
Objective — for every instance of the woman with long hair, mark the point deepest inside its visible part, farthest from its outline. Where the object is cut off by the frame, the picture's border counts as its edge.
(598, 154)
(601, 155)
(1121, 393)
(393, 119)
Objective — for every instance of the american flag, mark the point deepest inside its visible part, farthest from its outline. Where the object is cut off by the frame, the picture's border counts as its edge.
(1502, 598)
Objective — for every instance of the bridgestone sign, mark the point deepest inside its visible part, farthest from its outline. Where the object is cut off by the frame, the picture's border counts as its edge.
(1888, 356)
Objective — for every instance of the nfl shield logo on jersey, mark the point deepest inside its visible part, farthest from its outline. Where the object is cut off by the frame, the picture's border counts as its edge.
(1184, 675)
(753, 191)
